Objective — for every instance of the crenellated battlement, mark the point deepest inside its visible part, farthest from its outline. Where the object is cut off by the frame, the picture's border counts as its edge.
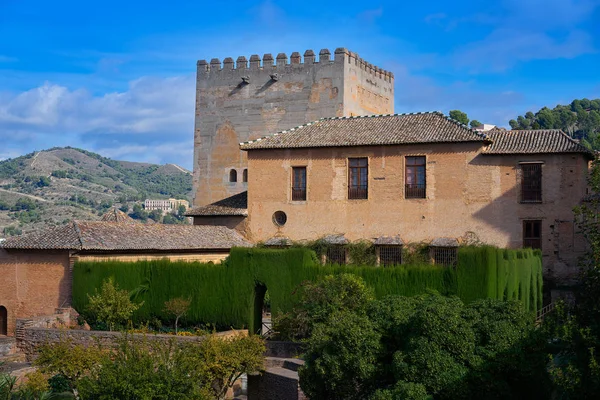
(295, 60)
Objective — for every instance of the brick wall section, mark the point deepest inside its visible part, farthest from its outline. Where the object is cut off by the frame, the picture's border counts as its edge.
(468, 194)
(230, 111)
(34, 283)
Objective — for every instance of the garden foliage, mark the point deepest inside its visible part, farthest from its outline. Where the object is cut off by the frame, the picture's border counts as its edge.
(226, 294)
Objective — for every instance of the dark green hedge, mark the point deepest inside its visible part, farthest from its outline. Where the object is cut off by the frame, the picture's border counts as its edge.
(224, 294)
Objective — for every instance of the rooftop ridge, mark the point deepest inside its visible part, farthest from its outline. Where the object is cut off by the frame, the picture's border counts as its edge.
(267, 62)
(483, 136)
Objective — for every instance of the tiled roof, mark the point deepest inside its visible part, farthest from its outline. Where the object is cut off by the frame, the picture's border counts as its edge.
(116, 215)
(389, 240)
(234, 205)
(444, 242)
(335, 239)
(113, 236)
(389, 129)
(279, 241)
(537, 141)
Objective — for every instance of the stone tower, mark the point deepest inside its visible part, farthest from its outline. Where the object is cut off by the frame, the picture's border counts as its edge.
(237, 102)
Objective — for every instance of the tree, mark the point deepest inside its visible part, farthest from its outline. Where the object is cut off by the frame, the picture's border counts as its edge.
(111, 305)
(143, 368)
(155, 215)
(459, 116)
(427, 346)
(139, 213)
(474, 123)
(177, 307)
(318, 300)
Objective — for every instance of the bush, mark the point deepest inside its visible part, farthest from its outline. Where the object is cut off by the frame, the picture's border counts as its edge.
(111, 305)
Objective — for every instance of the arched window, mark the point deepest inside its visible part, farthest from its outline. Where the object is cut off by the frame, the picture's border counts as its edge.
(245, 175)
(233, 175)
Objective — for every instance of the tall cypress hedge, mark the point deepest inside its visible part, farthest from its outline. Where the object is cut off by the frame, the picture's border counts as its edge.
(224, 294)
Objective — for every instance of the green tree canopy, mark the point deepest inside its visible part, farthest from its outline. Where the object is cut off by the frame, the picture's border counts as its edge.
(459, 116)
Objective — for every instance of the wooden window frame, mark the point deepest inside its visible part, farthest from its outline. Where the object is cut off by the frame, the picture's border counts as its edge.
(529, 231)
(531, 182)
(415, 190)
(299, 191)
(358, 167)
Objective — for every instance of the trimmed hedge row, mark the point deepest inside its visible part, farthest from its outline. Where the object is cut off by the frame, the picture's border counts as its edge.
(225, 294)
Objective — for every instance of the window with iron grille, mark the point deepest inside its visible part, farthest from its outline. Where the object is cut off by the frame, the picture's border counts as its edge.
(390, 255)
(532, 234)
(358, 178)
(446, 256)
(415, 184)
(298, 183)
(336, 255)
(531, 183)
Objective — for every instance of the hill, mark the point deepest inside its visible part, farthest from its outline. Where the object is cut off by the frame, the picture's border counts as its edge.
(580, 119)
(53, 186)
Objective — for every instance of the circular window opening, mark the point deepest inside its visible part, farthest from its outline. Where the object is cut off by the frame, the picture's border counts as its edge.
(279, 218)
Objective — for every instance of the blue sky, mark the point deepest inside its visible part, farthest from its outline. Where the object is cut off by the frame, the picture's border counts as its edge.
(117, 77)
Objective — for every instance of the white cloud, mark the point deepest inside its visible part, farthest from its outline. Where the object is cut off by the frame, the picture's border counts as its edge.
(154, 114)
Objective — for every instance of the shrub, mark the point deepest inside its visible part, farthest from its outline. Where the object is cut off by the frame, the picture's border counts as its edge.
(111, 305)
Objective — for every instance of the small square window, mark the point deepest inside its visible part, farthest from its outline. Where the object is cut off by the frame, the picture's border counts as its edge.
(336, 255)
(446, 256)
(389, 255)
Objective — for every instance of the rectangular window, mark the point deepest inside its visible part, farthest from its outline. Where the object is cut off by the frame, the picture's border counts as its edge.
(446, 256)
(531, 183)
(298, 183)
(416, 184)
(336, 255)
(390, 255)
(532, 234)
(358, 178)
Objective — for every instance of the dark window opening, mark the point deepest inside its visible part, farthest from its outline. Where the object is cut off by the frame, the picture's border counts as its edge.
(390, 255)
(3, 321)
(299, 183)
(416, 183)
(532, 234)
(233, 175)
(336, 255)
(245, 175)
(446, 256)
(279, 218)
(531, 183)
(358, 178)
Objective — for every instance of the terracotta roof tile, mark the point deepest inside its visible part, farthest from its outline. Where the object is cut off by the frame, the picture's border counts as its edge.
(113, 236)
(533, 142)
(390, 129)
(116, 215)
(389, 240)
(234, 205)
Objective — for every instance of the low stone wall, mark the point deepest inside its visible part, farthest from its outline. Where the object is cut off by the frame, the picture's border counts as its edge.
(282, 349)
(28, 338)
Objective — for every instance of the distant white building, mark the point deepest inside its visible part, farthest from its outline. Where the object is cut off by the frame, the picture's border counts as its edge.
(165, 204)
(484, 127)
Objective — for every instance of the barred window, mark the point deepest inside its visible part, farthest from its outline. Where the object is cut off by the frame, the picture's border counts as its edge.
(357, 178)
(390, 255)
(336, 255)
(531, 183)
(446, 256)
(532, 234)
(299, 183)
(416, 183)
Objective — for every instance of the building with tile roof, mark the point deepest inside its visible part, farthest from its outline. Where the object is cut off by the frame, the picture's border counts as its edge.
(36, 269)
(419, 177)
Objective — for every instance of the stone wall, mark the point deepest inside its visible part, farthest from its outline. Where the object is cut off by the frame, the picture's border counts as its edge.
(236, 102)
(469, 195)
(29, 338)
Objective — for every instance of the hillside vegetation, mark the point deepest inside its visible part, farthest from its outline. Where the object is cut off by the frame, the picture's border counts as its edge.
(580, 119)
(53, 186)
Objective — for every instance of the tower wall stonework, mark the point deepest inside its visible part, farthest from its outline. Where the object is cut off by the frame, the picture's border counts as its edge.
(246, 99)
